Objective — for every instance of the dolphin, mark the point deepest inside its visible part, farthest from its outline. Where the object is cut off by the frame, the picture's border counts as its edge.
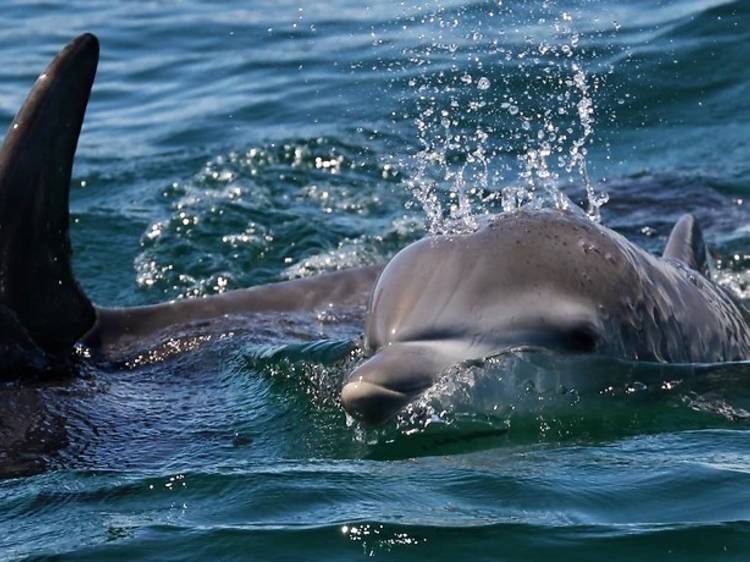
(539, 279)
(527, 279)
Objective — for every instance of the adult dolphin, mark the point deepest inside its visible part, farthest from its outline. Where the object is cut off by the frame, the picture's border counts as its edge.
(548, 279)
(532, 278)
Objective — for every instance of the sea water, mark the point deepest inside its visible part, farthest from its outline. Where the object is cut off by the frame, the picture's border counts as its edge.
(229, 144)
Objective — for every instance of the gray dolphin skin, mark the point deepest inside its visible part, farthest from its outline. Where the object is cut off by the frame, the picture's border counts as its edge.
(527, 279)
(539, 279)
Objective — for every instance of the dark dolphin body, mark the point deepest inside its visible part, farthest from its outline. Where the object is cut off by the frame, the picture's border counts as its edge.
(44, 313)
(537, 278)
(46, 320)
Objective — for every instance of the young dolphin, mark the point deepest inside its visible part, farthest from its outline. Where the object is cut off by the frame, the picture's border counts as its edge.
(545, 279)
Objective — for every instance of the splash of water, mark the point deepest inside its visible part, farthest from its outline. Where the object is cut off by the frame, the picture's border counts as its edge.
(499, 107)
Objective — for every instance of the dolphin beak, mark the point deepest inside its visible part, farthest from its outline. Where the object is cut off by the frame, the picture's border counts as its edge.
(385, 383)
(371, 403)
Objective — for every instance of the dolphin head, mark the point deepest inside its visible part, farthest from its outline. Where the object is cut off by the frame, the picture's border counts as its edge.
(527, 280)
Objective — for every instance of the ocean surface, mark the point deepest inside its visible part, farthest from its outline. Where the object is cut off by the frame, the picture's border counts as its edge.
(230, 143)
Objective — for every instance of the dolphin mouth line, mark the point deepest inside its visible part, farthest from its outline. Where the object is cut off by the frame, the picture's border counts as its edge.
(359, 386)
(375, 404)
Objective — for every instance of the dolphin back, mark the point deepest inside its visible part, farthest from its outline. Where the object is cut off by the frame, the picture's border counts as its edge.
(38, 290)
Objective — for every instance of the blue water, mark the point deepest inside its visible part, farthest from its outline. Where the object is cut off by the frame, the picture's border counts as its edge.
(231, 143)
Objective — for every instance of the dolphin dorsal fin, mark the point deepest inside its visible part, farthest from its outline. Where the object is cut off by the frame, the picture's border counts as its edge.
(36, 161)
(686, 244)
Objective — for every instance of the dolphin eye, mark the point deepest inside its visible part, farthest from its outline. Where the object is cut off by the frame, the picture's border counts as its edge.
(581, 339)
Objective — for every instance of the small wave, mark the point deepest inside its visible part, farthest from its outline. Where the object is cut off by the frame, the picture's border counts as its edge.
(248, 216)
(536, 397)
